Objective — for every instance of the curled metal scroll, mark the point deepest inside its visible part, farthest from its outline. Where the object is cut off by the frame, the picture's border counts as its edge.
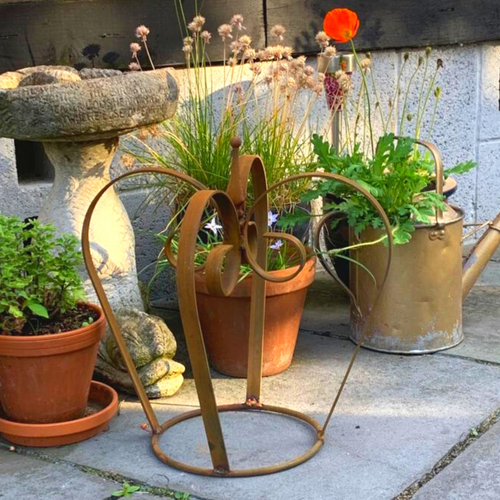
(246, 238)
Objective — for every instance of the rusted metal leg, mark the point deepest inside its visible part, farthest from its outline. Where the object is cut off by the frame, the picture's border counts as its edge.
(194, 338)
(256, 340)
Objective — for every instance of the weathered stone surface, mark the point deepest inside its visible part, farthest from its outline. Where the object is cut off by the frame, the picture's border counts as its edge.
(397, 417)
(82, 170)
(79, 117)
(89, 109)
(474, 475)
(88, 73)
(29, 478)
(481, 318)
(151, 345)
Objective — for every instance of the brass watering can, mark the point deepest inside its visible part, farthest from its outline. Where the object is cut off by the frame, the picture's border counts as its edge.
(421, 307)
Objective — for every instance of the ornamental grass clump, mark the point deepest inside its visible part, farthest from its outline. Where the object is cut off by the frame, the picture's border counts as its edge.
(266, 97)
(40, 287)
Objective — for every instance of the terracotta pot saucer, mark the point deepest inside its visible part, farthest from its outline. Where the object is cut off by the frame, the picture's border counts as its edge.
(102, 407)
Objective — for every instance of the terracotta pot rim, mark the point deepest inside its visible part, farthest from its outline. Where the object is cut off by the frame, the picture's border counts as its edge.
(55, 343)
(58, 336)
(61, 429)
(244, 288)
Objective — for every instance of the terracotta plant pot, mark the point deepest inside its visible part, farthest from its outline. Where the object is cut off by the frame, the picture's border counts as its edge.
(102, 407)
(46, 378)
(225, 322)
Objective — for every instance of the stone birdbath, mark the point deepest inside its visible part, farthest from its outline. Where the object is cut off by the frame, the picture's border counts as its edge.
(79, 116)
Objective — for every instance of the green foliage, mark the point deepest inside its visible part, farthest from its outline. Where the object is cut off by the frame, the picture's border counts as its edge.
(127, 490)
(178, 495)
(461, 168)
(396, 176)
(38, 274)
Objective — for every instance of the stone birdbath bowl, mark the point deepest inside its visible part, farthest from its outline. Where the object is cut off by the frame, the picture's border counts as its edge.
(79, 116)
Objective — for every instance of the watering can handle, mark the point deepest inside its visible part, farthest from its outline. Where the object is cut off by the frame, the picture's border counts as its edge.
(438, 163)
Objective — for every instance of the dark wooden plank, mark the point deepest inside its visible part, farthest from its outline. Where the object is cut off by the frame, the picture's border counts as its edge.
(389, 24)
(98, 32)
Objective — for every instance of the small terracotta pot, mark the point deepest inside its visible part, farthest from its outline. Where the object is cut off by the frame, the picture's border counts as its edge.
(46, 378)
(225, 322)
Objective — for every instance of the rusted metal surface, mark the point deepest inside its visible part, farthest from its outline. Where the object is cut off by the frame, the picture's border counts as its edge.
(246, 236)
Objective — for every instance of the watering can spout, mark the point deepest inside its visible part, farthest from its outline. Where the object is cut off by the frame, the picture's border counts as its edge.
(480, 255)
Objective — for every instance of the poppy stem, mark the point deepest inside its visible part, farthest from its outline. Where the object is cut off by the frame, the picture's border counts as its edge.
(365, 85)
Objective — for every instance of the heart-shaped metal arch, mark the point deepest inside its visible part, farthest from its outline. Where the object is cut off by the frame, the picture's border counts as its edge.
(244, 238)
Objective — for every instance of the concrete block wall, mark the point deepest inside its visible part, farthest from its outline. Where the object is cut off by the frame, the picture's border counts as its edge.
(467, 127)
(468, 118)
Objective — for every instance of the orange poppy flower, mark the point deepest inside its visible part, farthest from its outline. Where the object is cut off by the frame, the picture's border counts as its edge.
(341, 25)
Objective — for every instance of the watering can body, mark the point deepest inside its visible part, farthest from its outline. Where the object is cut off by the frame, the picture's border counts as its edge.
(421, 308)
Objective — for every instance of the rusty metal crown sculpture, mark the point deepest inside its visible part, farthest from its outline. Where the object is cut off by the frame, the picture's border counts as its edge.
(246, 238)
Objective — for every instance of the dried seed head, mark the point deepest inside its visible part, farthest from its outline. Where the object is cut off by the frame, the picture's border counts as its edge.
(437, 92)
(311, 82)
(133, 66)
(368, 55)
(291, 83)
(298, 63)
(365, 63)
(235, 47)
(287, 52)
(322, 39)
(196, 24)
(225, 31)
(134, 48)
(187, 49)
(245, 42)
(406, 56)
(188, 41)
(250, 54)
(344, 83)
(206, 36)
(420, 61)
(237, 22)
(278, 31)
(428, 51)
(440, 63)
(308, 70)
(330, 51)
(256, 68)
(142, 32)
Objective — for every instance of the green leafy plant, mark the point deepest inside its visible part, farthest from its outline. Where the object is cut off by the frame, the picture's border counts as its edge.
(127, 490)
(39, 277)
(396, 175)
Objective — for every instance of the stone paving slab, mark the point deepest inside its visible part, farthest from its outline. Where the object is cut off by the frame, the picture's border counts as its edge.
(398, 416)
(481, 323)
(327, 308)
(26, 478)
(473, 475)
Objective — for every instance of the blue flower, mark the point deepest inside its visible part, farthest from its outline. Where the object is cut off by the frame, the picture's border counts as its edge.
(213, 226)
(277, 245)
(271, 218)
